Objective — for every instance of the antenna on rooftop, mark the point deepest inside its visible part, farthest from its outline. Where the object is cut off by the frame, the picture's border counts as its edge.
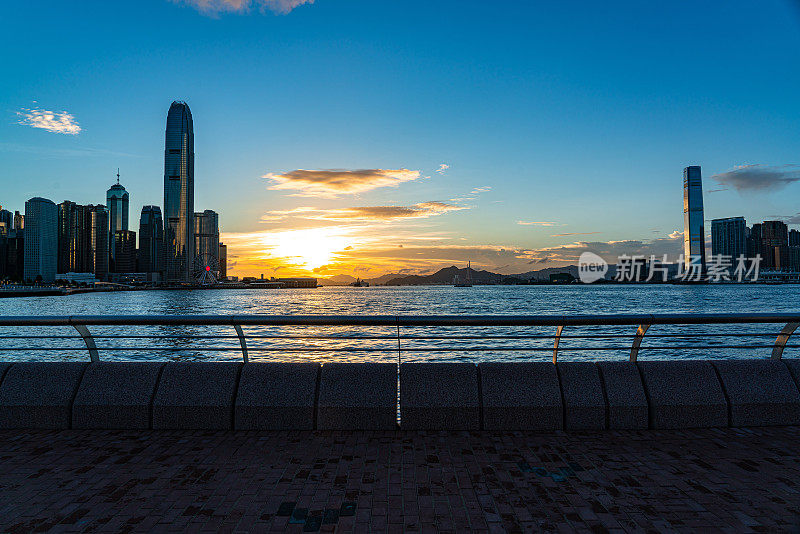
(117, 175)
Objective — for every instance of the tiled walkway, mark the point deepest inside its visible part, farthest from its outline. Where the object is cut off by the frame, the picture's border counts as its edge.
(702, 480)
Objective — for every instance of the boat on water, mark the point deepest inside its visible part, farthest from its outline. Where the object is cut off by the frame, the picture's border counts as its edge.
(467, 282)
(360, 283)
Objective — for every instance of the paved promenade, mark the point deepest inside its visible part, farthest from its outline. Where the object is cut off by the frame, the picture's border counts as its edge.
(725, 480)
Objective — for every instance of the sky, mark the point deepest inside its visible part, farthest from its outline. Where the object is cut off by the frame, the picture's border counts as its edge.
(367, 137)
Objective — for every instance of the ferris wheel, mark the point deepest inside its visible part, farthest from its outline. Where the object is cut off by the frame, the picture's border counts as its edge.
(206, 269)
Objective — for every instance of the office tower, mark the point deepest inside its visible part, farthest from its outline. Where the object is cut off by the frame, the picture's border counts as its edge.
(41, 239)
(6, 221)
(179, 194)
(754, 247)
(125, 243)
(223, 261)
(694, 245)
(206, 234)
(774, 242)
(728, 237)
(98, 221)
(117, 204)
(74, 238)
(15, 256)
(151, 240)
(19, 221)
(794, 238)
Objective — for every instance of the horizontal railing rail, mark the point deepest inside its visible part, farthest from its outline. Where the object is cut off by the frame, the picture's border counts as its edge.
(642, 323)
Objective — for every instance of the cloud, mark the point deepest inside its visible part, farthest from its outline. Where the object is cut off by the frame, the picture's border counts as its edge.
(215, 7)
(365, 213)
(52, 121)
(333, 182)
(574, 233)
(442, 168)
(536, 223)
(479, 190)
(755, 178)
(610, 251)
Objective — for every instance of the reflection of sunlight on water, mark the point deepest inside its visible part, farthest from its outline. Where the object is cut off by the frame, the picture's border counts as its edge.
(324, 344)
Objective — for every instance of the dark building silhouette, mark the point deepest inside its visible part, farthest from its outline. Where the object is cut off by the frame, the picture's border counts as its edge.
(74, 238)
(223, 261)
(151, 240)
(179, 194)
(206, 233)
(125, 253)
(41, 239)
(729, 237)
(98, 217)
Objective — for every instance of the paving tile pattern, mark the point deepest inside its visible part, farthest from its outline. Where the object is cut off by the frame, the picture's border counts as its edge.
(714, 480)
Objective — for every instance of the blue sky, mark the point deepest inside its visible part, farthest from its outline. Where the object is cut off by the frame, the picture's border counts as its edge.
(580, 115)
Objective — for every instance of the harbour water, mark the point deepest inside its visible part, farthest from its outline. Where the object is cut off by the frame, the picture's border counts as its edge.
(291, 343)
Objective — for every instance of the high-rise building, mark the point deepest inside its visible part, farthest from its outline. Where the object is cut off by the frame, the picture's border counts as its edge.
(125, 243)
(151, 240)
(19, 221)
(223, 261)
(774, 243)
(179, 194)
(206, 234)
(794, 238)
(98, 221)
(117, 204)
(12, 254)
(74, 238)
(728, 237)
(694, 245)
(6, 221)
(41, 239)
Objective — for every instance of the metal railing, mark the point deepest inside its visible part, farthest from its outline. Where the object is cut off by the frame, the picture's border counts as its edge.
(412, 330)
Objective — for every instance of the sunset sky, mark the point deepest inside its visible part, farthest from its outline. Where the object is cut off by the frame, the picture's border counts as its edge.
(368, 137)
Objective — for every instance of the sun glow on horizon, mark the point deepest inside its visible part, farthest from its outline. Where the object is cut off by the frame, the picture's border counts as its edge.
(309, 248)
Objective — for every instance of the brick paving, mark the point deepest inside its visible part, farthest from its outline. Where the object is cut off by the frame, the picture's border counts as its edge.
(719, 480)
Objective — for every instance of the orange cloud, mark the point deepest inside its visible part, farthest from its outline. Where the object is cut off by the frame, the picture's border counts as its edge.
(331, 183)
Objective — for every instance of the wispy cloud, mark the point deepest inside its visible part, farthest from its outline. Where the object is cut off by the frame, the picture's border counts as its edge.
(365, 213)
(443, 168)
(536, 223)
(331, 183)
(574, 233)
(52, 121)
(215, 7)
(755, 178)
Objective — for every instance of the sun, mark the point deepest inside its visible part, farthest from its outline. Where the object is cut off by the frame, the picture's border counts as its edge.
(311, 248)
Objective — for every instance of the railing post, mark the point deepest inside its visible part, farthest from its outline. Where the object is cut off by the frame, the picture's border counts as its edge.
(637, 341)
(783, 337)
(556, 342)
(242, 342)
(89, 340)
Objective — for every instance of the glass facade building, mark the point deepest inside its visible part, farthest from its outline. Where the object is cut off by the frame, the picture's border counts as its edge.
(117, 204)
(694, 243)
(98, 221)
(41, 239)
(729, 237)
(151, 240)
(179, 194)
(206, 233)
(74, 238)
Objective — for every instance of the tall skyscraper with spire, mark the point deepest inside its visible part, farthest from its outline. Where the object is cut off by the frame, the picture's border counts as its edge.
(694, 242)
(179, 194)
(117, 204)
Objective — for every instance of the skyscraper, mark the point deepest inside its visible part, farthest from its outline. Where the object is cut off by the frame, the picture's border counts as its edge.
(125, 243)
(74, 238)
(98, 221)
(117, 204)
(179, 194)
(774, 243)
(6, 221)
(41, 239)
(19, 221)
(151, 240)
(206, 233)
(694, 243)
(223, 261)
(728, 237)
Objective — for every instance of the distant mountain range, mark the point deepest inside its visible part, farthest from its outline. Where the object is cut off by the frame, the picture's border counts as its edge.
(448, 274)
